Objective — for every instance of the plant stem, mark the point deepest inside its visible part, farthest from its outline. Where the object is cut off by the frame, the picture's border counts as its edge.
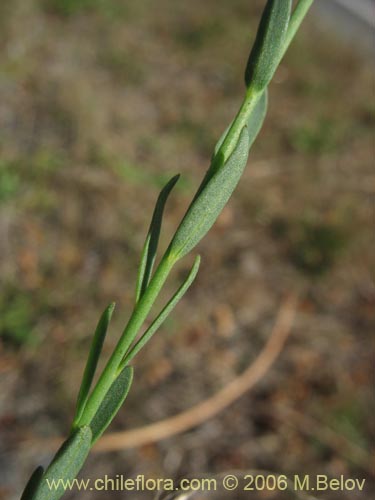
(252, 96)
(143, 307)
(296, 19)
(241, 119)
(139, 315)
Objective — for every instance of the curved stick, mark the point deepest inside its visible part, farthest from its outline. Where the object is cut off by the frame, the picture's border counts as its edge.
(216, 403)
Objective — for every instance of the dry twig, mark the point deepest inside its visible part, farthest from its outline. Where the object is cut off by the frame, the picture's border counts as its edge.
(210, 407)
(216, 403)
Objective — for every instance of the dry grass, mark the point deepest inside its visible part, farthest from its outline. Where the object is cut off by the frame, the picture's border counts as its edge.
(96, 103)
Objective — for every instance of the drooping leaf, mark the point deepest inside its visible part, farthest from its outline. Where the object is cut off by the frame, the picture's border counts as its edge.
(111, 403)
(159, 320)
(33, 483)
(210, 200)
(67, 463)
(268, 46)
(92, 360)
(152, 239)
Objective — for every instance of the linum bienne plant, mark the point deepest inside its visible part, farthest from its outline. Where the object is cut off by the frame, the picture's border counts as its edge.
(96, 407)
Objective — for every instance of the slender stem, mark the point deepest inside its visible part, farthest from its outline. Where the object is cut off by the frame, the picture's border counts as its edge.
(252, 97)
(136, 320)
(296, 19)
(158, 321)
(241, 119)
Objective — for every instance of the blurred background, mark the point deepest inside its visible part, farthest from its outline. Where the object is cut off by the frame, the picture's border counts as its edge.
(102, 101)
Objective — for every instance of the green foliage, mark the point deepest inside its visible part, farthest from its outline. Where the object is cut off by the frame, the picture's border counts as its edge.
(33, 484)
(155, 325)
(93, 358)
(211, 199)
(95, 410)
(267, 50)
(111, 403)
(67, 463)
(152, 240)
(254, 122)
(218, 184)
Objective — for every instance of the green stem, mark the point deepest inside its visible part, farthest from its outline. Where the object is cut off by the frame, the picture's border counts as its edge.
(296, 19)
(241, 119)
(252, 96)
(136, 321)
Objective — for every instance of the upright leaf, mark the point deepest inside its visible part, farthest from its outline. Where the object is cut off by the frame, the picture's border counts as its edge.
(159, 320)
(298, 14)
(67, 463)
(268, 46)
(92, 360)
(33, 483)
(152, 239)
(111, 403)
(210, 201)
(254, 125)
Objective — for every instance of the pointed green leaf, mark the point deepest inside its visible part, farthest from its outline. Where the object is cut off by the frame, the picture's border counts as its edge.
(33, 483)
(66, 465)
(111, 403)
(152, 239)
(210, 200)
(92, 360)
(269, 42)
(254, 125)
(296, 19)
(159, 320)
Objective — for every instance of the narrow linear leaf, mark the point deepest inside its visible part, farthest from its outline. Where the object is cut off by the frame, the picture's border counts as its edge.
(254, 125)
(276, 30)
(152, 239)
(159, 320)
(111, 403)
(210, 200)
(33, 483)
(296, 19)
(269, 42)
(92, 360)
(67, 463)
